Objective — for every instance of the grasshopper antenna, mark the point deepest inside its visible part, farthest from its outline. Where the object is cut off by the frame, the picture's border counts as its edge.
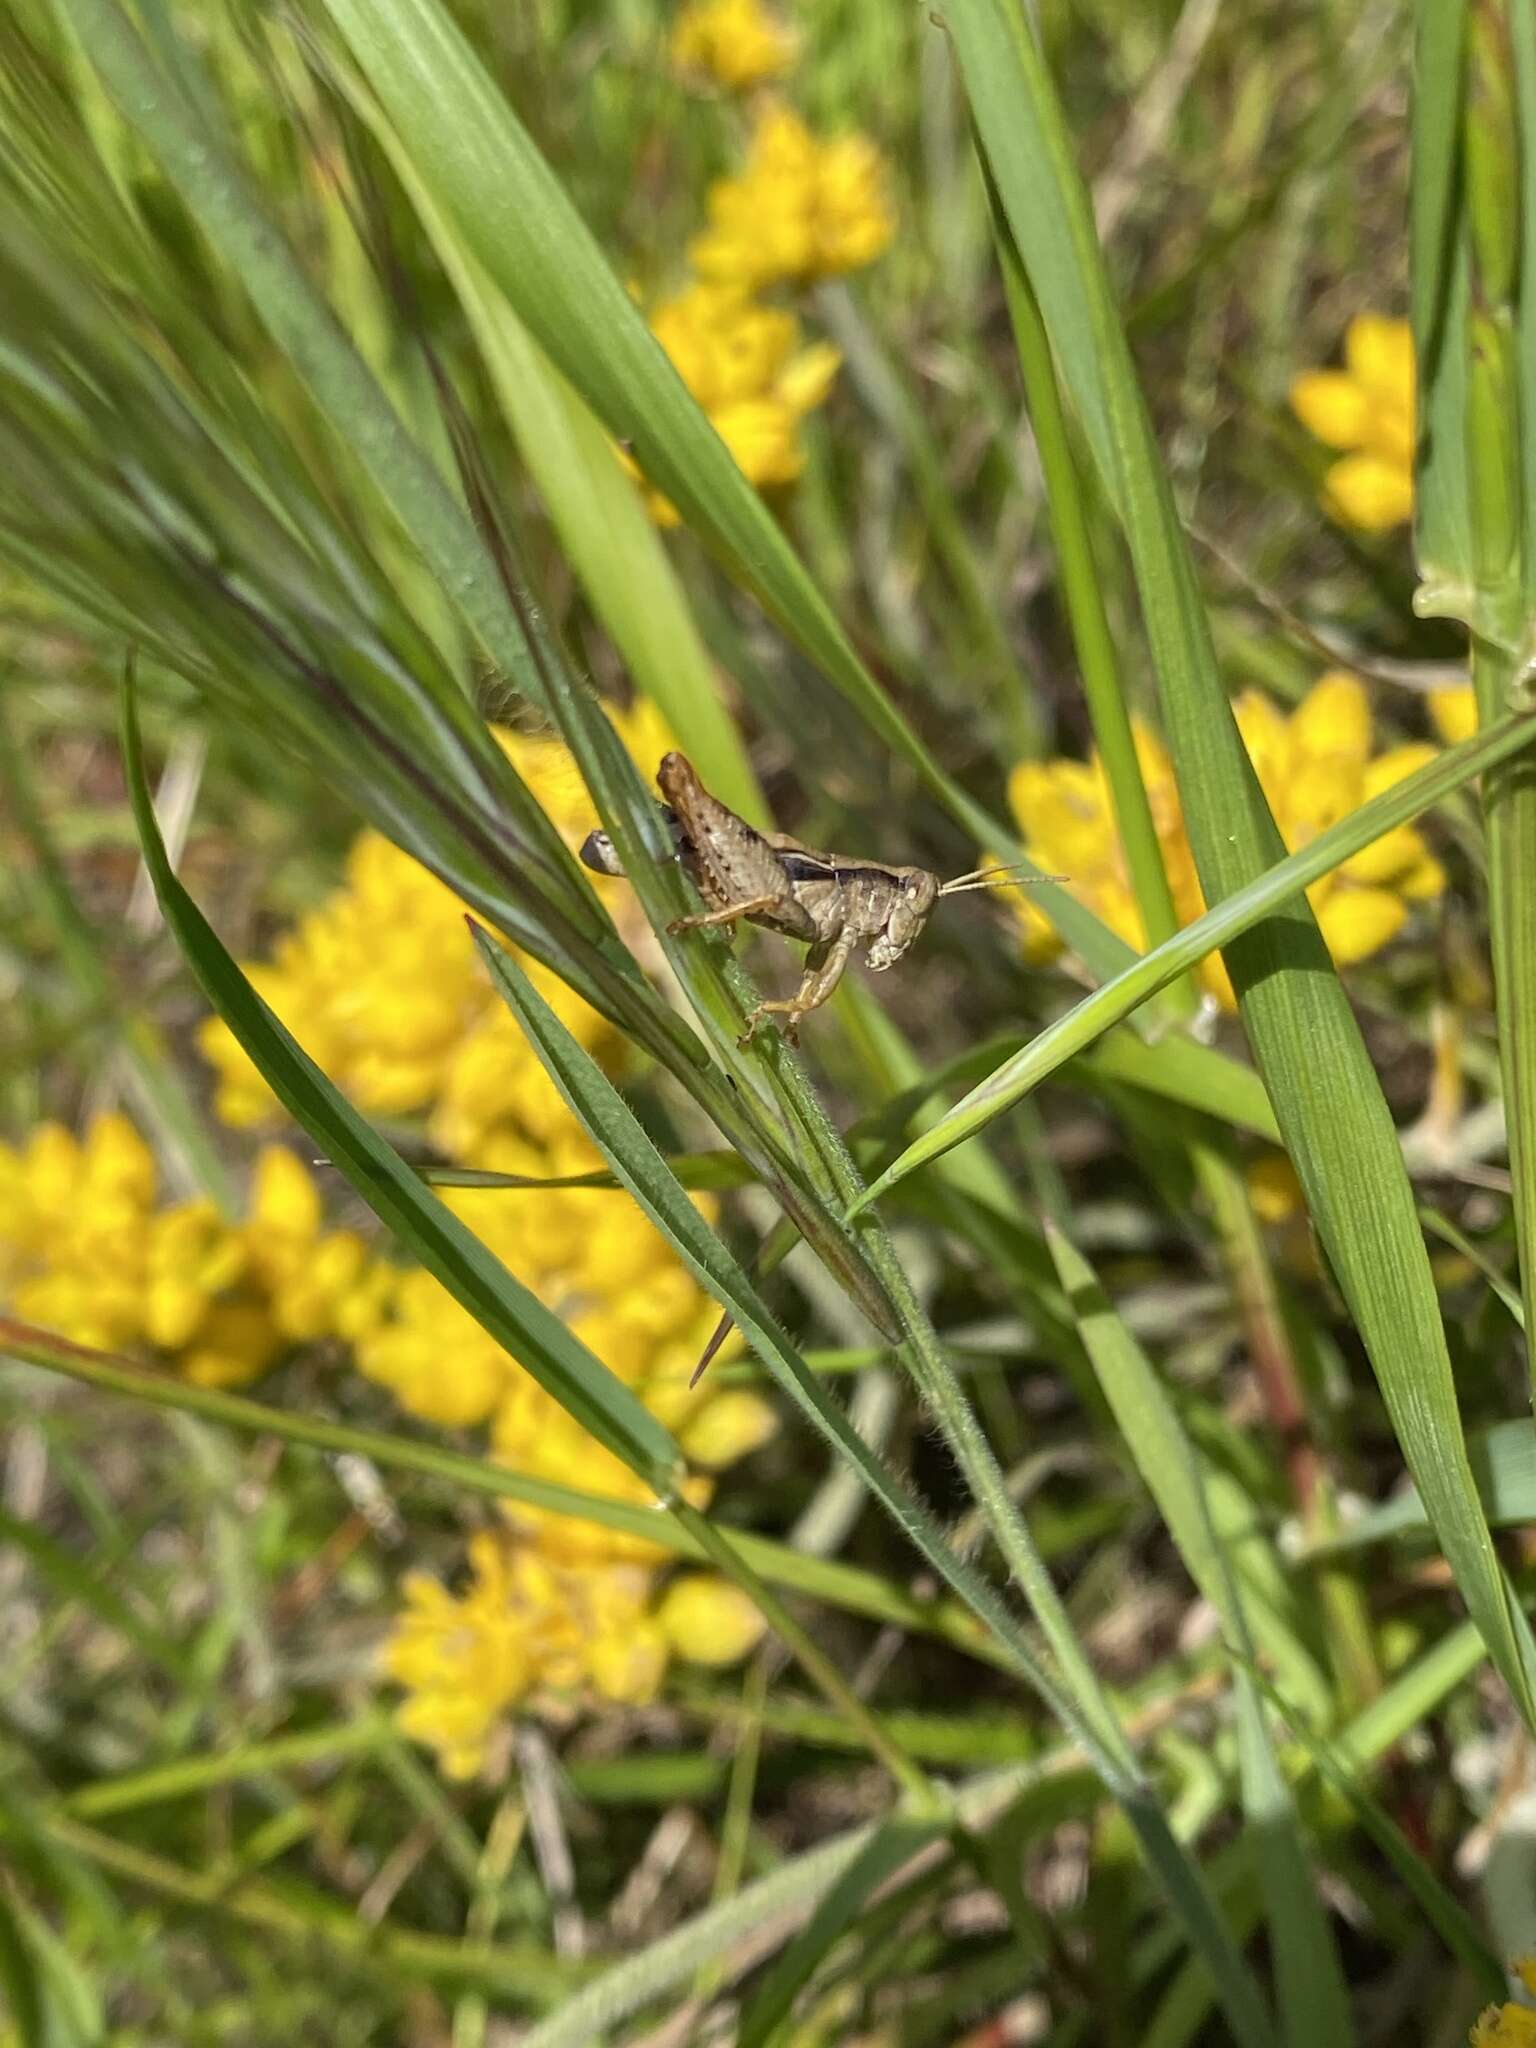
(1007, 877)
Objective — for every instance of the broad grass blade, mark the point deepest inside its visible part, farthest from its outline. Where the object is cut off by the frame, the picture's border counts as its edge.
(1306, 1042)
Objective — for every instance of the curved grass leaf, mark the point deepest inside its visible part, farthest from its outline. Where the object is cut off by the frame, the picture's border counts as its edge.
(1234, 915)
(505, 1309)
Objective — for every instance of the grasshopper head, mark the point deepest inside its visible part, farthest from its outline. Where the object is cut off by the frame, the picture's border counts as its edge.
(915, 894)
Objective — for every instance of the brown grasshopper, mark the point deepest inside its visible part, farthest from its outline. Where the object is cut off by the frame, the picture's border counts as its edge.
(831, 902)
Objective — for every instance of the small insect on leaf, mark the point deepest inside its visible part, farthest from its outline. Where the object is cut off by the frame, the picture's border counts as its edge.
(830, 902)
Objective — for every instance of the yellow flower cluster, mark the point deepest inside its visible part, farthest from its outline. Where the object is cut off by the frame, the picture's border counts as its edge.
(529, 1624)
(744, 364)
(1367, 408)
(85, 1250)
(734, 43)
(381, 986)
(1510, 2025)
(800, 208)
(1314, 766)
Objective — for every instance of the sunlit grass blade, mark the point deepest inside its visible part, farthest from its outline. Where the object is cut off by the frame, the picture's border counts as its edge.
(516, 1318)
(1439, 284)
(1231, 917)
(612, 543)
(1500, 225)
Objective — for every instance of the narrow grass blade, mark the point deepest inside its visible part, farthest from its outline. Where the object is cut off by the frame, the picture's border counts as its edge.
(1504, 1464)
(1314, 2003)
(892, 1845)
(1232, 916)
(839, 1585)
(1439, 285)
(503, 1307)
(612, 543)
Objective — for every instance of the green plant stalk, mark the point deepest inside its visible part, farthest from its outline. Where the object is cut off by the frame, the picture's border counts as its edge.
(1082, 591)
(1498, 418)
(1509, 816)
(1232, 916)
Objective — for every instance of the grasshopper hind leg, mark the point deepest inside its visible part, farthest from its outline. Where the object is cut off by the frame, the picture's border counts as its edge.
(824, 966)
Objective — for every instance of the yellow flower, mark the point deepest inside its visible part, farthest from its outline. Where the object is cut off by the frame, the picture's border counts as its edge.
(744, 364)
(737, 43)
(1454, 711)
(523, 1623)
(708, 1620)
(1509, 2026)
(801, 208)
(1368, 409)
(1315, 767)
(85, 1251)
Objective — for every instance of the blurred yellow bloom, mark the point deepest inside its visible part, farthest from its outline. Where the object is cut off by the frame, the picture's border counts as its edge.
(801, 208)
(1454, 711)
(744, 364)
(1314, 766)
(1509, 2026)
(708, 1620)
(737, 43)
(86, 1251)
(1368, 409)
(523, 1623)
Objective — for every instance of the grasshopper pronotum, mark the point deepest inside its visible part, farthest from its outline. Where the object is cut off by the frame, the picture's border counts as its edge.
(830, 902)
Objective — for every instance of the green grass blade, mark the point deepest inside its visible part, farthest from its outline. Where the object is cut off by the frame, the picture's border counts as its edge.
(1314, 2003)
(892, 1845)
(504, 1308)
(1439, 286)
(611, 540)
(481, 168)
(1235, 914)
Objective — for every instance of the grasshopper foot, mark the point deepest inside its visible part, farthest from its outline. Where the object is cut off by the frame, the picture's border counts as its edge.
(784, 1014)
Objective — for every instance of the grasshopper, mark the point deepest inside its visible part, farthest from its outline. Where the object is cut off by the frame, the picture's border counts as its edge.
(831, 902)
